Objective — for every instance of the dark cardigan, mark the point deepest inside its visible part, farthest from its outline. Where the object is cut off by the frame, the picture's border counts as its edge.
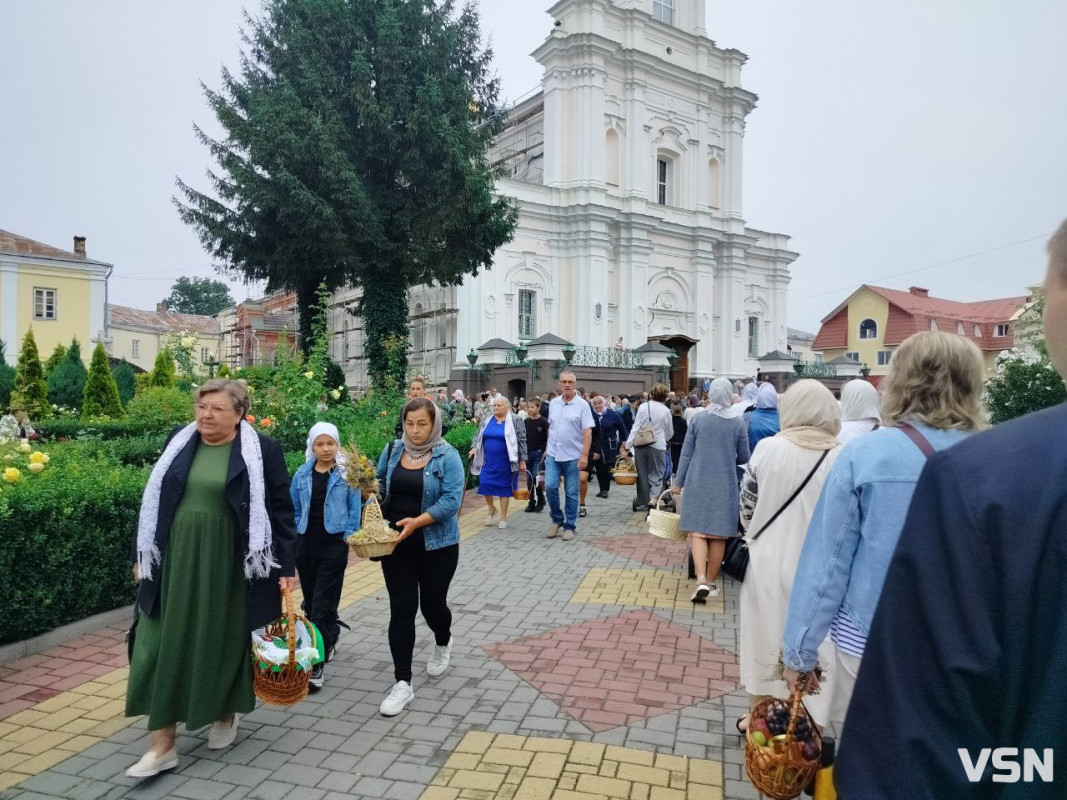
(264, 596)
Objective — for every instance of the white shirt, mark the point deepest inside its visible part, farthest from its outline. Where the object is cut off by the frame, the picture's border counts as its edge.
(660, 416)
(567, 423)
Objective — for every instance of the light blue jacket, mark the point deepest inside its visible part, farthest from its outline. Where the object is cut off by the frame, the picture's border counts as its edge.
(443, 479)
(344, 506)
(852, 536)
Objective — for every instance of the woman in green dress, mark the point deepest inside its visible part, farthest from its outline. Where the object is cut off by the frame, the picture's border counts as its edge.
(215, 540)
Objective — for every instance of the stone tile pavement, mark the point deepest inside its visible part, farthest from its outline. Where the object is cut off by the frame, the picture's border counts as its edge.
(494, 726)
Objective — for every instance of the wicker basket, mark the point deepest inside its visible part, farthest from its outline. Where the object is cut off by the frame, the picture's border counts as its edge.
(625, 472)
(665, 524)
(780, 770)
(289, 685)
(522, 484)
(375, 538)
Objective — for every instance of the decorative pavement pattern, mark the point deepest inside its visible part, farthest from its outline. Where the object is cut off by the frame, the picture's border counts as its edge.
(580, 672)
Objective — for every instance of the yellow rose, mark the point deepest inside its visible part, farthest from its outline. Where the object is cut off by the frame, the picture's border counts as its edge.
(335, 394)
(11, 474)
(309, 374)
(36, 466)
(24, 447)
(38, 458)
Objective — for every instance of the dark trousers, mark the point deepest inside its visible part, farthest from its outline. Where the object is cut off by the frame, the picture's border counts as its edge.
(602, 470)
(417, 578)
(533, 465)
(321, 559)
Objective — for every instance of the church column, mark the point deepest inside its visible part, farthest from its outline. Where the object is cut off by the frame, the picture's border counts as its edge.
(733, 125)
(703, 262)
(731, 350)
(556, 145)
(635, 147)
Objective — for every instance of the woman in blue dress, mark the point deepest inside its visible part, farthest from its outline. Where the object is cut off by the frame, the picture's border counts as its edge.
(498, 452)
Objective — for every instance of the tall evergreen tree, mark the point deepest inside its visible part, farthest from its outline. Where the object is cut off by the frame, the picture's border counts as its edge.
(101, 397)
(125, 380)
(163, 369)
(66, 383)
(54, 360)
(31, 392)
(7, 378)
(355, 152)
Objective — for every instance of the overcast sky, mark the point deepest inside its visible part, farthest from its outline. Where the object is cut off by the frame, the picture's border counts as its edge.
(889, 136)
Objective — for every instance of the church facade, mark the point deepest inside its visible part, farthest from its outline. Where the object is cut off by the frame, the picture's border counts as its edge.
(626, 168)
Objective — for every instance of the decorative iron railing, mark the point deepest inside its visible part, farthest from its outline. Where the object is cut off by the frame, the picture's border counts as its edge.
(615, 357)
(814, 369)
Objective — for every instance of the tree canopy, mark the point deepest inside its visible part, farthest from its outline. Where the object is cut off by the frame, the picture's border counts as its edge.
(198, 296)
(355, 152)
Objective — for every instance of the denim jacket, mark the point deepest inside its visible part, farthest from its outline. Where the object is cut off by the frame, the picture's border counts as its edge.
(443, 479)
(852, 536)
(344, 506)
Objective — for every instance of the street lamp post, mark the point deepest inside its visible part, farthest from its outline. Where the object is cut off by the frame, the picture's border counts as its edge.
(865, 371)
(211, 363)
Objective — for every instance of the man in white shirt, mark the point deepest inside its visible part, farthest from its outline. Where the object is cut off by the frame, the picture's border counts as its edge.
(570, 433)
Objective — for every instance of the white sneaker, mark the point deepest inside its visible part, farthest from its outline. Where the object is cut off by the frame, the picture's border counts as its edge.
(438, 662)
(222, 734)
(502, 524)
(553, 531)
(151, 764)
(492, 519)
(398, 698)
(701, 594)
(714, 590)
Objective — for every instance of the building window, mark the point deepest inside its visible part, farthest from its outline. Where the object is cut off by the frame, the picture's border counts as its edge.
(960, 329)
(419, 336)
(663, 10)
(853, 355)
(883, 357)
(1002, 329)
(205, 354)
(44, 303)
(753, 337)
(527, 314)
(978, 331)
(663, 177)
(818, 358)
(933, 324)
(135, 348)
(868, 329)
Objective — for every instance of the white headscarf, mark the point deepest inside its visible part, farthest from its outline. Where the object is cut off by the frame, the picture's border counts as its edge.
(810, 416)
(317, 430)
(721, 398)
(749, 394)
(859, 400)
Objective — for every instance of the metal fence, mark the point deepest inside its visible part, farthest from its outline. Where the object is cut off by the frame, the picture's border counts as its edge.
(814, 369)
(614, 357)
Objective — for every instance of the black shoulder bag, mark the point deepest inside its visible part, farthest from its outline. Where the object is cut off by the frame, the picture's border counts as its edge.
(735, 556)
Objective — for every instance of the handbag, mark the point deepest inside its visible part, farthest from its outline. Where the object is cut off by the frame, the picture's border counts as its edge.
(735, 556)
(645, 435)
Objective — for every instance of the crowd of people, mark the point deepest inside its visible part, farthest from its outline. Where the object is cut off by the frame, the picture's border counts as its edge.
(893, 570)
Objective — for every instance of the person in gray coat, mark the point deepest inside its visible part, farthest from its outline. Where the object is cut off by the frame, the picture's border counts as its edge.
(715, 444)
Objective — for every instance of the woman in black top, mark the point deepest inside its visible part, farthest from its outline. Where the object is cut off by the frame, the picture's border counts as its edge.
(676, 441)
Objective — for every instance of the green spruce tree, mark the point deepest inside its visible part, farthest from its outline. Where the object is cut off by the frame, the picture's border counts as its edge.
(54, 360)
(163, 370)
(7, 378)
(101, 398)
(126, 381)
(66, 383)
(31, 391)
(365, 126)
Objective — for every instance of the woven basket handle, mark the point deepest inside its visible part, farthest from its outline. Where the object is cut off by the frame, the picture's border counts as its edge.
(290, 623)
(660, 498)
(795, 700)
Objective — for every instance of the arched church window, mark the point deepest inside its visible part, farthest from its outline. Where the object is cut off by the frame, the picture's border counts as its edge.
(868, 329)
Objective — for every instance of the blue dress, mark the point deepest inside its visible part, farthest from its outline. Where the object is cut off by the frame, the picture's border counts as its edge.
(495, 480)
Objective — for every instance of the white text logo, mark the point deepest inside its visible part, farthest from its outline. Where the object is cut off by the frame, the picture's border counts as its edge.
(1006, 764)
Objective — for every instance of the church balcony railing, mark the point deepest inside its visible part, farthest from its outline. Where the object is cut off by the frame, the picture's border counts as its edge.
(613, 357)
(814, 369)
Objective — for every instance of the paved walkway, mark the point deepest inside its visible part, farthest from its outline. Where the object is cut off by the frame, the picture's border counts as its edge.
(580, 672)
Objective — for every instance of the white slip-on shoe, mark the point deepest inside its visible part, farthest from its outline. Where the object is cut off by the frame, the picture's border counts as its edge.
(397, 699)
(221, 734)
(492, 519)
(714, 590)
(502, 524)
(151, 764)
(438, 662)
(553, 531)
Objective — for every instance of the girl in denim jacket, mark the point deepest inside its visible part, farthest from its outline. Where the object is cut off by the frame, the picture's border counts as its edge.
(327, 513)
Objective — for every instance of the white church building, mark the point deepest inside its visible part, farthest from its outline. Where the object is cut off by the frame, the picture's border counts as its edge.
(626, 168)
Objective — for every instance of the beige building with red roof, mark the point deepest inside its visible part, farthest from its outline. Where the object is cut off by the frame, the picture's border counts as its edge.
(873, 321)
(60, 293)
(138, 335)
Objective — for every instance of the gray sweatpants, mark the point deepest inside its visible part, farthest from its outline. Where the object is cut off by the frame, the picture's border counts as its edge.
(650, 463)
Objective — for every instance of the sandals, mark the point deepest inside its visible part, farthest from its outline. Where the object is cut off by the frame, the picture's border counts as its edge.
(581, 511)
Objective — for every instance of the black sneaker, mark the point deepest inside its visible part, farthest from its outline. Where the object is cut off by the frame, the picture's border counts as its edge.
(317, 678)
(530, 508)
(602, 494)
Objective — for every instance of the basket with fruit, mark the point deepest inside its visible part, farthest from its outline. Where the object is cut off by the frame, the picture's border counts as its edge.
(783, 747)
(625, 472)
(374, 538)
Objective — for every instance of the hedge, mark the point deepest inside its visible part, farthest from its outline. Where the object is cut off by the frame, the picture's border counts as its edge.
(66, 543)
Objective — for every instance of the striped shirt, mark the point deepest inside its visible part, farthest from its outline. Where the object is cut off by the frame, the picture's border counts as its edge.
(848, 638)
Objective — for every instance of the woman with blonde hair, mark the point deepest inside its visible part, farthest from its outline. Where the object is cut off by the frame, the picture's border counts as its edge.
(931, 399)
(779, 491)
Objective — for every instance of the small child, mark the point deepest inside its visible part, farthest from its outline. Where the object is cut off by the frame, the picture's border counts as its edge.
(327, 513)
(536, 442)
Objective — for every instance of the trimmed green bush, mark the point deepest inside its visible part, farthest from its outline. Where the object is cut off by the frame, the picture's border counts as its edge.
(7, 378)
(31, 392)
(162, 374)
(54, 360)
(101, 396)
(57, 428)
(66, 381)
(66, 539)
(126, 381)
(161, 407)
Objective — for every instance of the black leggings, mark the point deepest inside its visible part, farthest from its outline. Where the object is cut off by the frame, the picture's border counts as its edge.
(321, 559)
(414, 577)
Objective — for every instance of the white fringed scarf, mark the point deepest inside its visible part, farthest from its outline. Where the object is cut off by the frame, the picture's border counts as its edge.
(260, 557)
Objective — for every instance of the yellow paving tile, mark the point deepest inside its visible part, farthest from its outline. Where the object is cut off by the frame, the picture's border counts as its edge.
(475, 742)
(42, 761)
(646, 588)
(531, 789)
(547, 745)
(45, 740)
(463, 761)
(629, 755)
(611, 787)
(638, 774)
(547, 765)
(469, 779)
(564, 794)
(589, 753)
(709, 772)
(513, 758)
(9, 779)
(440, 793)
(660, 793)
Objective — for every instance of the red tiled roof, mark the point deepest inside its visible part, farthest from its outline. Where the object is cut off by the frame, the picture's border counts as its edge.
(163, 321)
(20, 245)
(833, 333)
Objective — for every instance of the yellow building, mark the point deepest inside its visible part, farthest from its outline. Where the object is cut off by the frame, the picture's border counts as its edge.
(62, 294)
(873, 321)
(137, 335)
